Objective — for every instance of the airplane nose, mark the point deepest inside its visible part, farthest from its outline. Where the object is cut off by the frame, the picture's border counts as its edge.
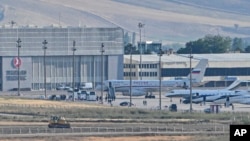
(168, 95)
(99, 88)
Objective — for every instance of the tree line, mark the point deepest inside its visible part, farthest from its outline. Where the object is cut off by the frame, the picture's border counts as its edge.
(207, 44)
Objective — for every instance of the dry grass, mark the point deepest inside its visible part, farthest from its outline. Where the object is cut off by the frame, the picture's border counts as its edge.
(43, 103)
(167, 21)
(103, 9)
(130, 138)
(16, 101)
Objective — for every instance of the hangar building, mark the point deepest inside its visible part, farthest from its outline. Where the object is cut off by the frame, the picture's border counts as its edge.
(59, 56)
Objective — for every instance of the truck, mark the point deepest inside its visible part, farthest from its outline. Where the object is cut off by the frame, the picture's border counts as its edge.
(86, 86)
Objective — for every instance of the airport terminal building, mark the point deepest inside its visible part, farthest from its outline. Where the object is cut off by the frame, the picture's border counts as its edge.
(222, 69)
(59, 56)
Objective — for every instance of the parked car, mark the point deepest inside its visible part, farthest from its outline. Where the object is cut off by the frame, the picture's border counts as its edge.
(149, 96)
(41, 97)
(207, 110)
(60, 88)
(125, 103)
(70, 89)
(173, 108)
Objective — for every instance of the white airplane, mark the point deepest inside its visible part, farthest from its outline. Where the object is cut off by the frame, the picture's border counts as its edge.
(199, 96)
(144, 87)
(242, 99)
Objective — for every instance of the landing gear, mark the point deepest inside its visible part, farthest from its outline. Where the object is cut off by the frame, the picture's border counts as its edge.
(149, 95)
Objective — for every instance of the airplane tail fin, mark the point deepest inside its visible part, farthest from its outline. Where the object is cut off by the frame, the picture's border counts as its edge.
(199, 71)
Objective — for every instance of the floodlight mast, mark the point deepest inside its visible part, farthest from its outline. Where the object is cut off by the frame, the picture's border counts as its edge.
(140, 25)
(18, 65)
(160, 54)
(191, 99)
(44, 65)
(73, 77)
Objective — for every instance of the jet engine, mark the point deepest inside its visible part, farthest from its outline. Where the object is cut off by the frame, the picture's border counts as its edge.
(135, 92)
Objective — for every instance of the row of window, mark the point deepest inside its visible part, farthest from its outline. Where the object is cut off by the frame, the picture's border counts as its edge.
(174, 72)
(148, 74)
(128, 66)
(148, 66)
(128, 74)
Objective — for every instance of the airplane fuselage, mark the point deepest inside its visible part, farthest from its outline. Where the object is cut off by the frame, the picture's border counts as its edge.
(150, 85)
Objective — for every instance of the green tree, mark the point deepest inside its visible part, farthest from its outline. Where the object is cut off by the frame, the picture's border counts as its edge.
(128, 47)
(247, 49)
(208, 44)
(237, 44)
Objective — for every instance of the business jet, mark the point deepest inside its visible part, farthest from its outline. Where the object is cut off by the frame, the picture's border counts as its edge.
(199, 96)
(144, 87)
(242, 99)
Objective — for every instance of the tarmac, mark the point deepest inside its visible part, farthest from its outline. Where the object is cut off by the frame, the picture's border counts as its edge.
(166, 102)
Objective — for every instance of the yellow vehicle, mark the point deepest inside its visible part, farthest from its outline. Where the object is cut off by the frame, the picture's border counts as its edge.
(58, 122)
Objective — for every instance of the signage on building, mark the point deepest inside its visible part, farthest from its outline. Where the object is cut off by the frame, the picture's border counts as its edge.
(12, 75)
(17, 62)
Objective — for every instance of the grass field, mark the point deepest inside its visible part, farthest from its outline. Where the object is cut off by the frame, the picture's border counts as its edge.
(78, 111)
(37, 112)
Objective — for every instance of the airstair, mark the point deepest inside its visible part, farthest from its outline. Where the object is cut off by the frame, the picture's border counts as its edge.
(235, 84)
(111, 93)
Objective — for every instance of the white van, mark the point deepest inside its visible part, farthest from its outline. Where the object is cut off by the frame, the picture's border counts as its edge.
(91, 96)
(87, 86)
(82, 95)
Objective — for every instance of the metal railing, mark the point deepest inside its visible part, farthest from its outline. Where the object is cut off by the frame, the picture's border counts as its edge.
(182, 129)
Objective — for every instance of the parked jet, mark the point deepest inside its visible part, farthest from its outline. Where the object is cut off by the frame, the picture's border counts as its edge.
(242, 99)
(199, 96)
(144, 87)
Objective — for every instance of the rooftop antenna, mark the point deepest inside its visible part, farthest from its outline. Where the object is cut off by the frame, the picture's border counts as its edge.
(12, 23)
(144, 32)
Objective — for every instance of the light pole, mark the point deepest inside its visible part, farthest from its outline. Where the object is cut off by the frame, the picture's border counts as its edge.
(73, 74)
(102, 51)
(18, 65)
(130, 77)
(140, 25)
(190, 57)
(44, 65)
(160, 54)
